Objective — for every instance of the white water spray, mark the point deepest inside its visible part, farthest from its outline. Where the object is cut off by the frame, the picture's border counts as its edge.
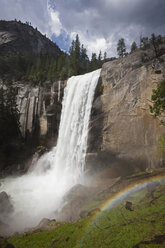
(39, 193)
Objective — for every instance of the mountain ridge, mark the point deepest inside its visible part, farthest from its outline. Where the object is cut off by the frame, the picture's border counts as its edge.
(20, 39)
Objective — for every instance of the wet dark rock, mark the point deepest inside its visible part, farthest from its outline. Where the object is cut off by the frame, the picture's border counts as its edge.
(5, 244)
(93, 211)
(6, 210)
(30, 165)
(85, 213)
(44, 222)
(67, 239)
(41, 150)
(5, 203)
(158, 71)
(129, 206)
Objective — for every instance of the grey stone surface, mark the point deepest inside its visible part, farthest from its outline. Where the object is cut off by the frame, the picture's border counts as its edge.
(128, 128)
(40, 107)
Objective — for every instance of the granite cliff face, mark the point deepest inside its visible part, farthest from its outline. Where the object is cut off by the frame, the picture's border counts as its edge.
(121, 119)
(40, 109)
(17, 38)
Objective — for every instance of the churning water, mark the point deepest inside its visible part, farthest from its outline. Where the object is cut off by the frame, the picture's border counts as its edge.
(38, 194)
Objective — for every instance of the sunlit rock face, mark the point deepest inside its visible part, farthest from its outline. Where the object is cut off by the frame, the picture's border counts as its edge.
(127, 128)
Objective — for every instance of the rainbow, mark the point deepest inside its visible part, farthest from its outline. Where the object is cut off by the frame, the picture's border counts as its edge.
(130, 189)
(127, 190)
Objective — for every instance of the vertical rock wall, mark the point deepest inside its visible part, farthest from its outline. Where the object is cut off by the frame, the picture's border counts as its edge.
(40, 109)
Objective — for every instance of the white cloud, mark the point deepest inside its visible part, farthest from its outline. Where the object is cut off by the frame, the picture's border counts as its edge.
(54, 23)
(99, 23)
(94, 45)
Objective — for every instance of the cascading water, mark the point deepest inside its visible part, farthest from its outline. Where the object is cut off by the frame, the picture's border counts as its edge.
(38, 194)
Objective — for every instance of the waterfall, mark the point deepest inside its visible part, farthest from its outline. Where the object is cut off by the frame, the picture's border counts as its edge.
(73, 131)
(39, 193)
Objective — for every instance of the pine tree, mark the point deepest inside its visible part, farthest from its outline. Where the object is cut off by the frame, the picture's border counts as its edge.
(84, 60)
(100, 56)
(99, 60)
(133, 47)
(121, 48)
(144, 43)
(93, 63)
(77, 48)
(75, 57)
(156, 41)
(84, 56)
(105, 56)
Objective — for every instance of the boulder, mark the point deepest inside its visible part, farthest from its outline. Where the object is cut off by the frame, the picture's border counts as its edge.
(47, 224)
(129, 206)
(6, 209)
(30, 164)
(5, 203)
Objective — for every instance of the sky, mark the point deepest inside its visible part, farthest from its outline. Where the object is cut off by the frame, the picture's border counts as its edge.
(99, 23)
